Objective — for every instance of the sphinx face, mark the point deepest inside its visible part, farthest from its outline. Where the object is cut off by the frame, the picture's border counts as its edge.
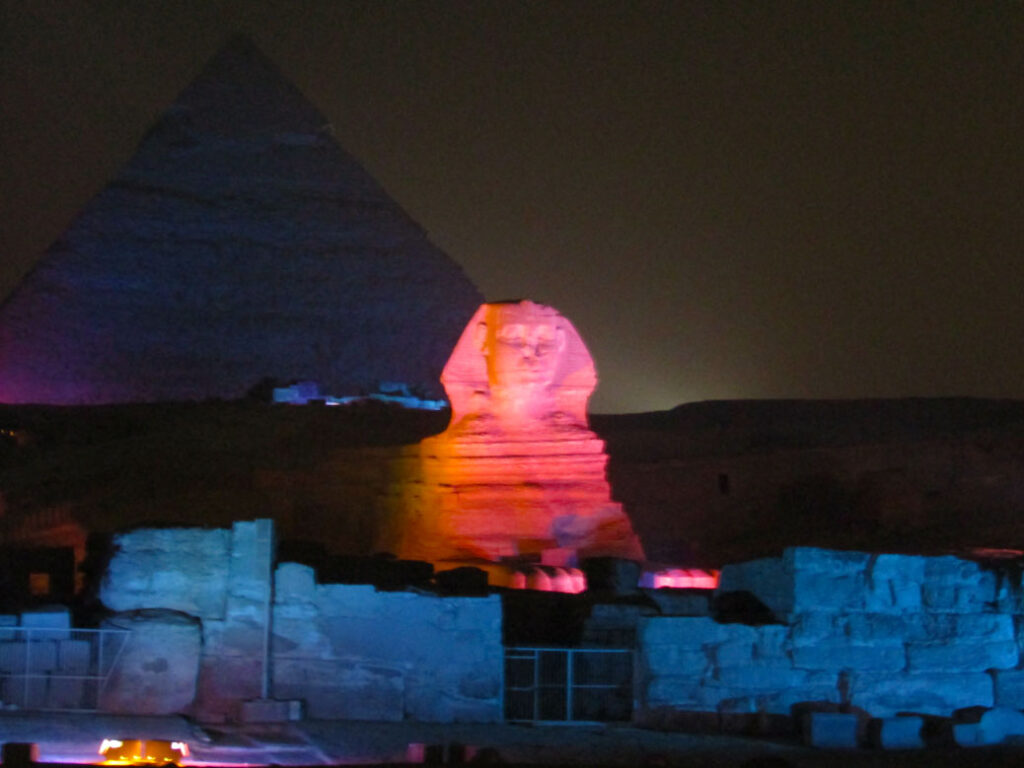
(524, 356)
(518, 366)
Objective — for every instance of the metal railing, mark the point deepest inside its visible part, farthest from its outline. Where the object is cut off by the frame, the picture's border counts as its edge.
(57, 669)
(568, 685)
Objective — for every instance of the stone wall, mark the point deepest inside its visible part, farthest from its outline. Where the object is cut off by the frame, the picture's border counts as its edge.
(880, 633)
(350, 651)
(347, 651)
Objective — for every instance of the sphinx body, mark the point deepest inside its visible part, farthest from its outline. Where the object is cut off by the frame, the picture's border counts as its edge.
(518, 475)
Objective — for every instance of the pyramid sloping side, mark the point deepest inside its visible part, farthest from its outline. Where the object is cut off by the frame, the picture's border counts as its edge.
(239, 243)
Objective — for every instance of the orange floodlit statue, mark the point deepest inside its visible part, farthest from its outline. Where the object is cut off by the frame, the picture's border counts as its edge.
(517, 477)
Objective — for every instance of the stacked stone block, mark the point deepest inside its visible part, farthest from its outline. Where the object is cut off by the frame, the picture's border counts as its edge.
(885, 634)
(346, 651)
(352, 652)
(43, 661)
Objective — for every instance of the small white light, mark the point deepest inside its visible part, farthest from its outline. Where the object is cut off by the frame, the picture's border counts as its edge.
(110, 744)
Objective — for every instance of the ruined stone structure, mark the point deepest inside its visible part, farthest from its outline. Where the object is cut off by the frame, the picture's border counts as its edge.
(517, 476)
(240, 243)
(880, 635)
(894, 638)
(197, 604)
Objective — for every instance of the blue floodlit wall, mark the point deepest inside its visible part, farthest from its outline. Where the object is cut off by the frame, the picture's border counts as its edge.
(882, 633)
(346, 651)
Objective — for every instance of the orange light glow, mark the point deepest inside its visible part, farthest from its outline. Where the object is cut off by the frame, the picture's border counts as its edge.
(682, 578)
(548, 579)
(142, 751)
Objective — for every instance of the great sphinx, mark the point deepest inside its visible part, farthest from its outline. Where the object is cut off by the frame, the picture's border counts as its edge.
(517, 477)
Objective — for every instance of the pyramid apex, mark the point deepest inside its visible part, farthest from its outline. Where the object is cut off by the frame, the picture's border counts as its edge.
(240, 90)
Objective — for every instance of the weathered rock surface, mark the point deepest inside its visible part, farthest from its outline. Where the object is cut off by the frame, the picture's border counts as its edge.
(240, 242)
(517, 473)
(158, 667)
(846, 639)
(182, 569)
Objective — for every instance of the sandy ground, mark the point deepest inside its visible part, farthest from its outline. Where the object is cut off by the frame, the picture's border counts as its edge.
(76, 738)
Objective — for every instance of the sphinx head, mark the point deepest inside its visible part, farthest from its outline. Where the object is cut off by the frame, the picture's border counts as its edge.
(523, 364)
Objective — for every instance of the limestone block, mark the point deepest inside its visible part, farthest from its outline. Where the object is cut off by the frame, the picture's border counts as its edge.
(158, 666)
(734, 654)
(771, 678)
(994, 727)
(74, 656)
(170, 582)
(897, 568)
(927, 693)
(953, 598)
(831, 730)
(7, 622)
(12, 656)
(294, 582)
(1009, 593)
(949, 569)
(343, 689)
(783, 702)
(992, 627)
(250, 561)
(829, 561)
(349, 600)
(244, 609)
(819, 591)
(962, 656)
(299, 636)
(41, 656)
(969, 735)
(425, 704)
(891, 587)
(673, 660)
(1009, 688)
(734, 699)
(183, 569)
(836, 655)
(894, 583)
(771, 644)
(816, 627)
(879, 627)
(462, 693)
(690, 631)
(675, 691)
(295, 611)
(66, 693)
(52, 623)
(18, 656)
(811, 627)
(36, 691)
(899, 732)
(226, 681)
(958, 586)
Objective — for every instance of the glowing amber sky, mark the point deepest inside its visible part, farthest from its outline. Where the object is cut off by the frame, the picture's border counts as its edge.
(730, 199)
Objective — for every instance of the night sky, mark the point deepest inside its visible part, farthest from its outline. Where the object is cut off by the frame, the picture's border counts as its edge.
(729, 200)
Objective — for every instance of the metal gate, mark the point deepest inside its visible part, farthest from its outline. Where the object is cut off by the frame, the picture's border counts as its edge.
(57, 669)
(568, 685)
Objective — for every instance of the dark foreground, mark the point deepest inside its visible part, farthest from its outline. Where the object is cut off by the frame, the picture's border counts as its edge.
(75, 739)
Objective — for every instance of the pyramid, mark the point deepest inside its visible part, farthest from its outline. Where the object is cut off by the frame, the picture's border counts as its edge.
(240, 243)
